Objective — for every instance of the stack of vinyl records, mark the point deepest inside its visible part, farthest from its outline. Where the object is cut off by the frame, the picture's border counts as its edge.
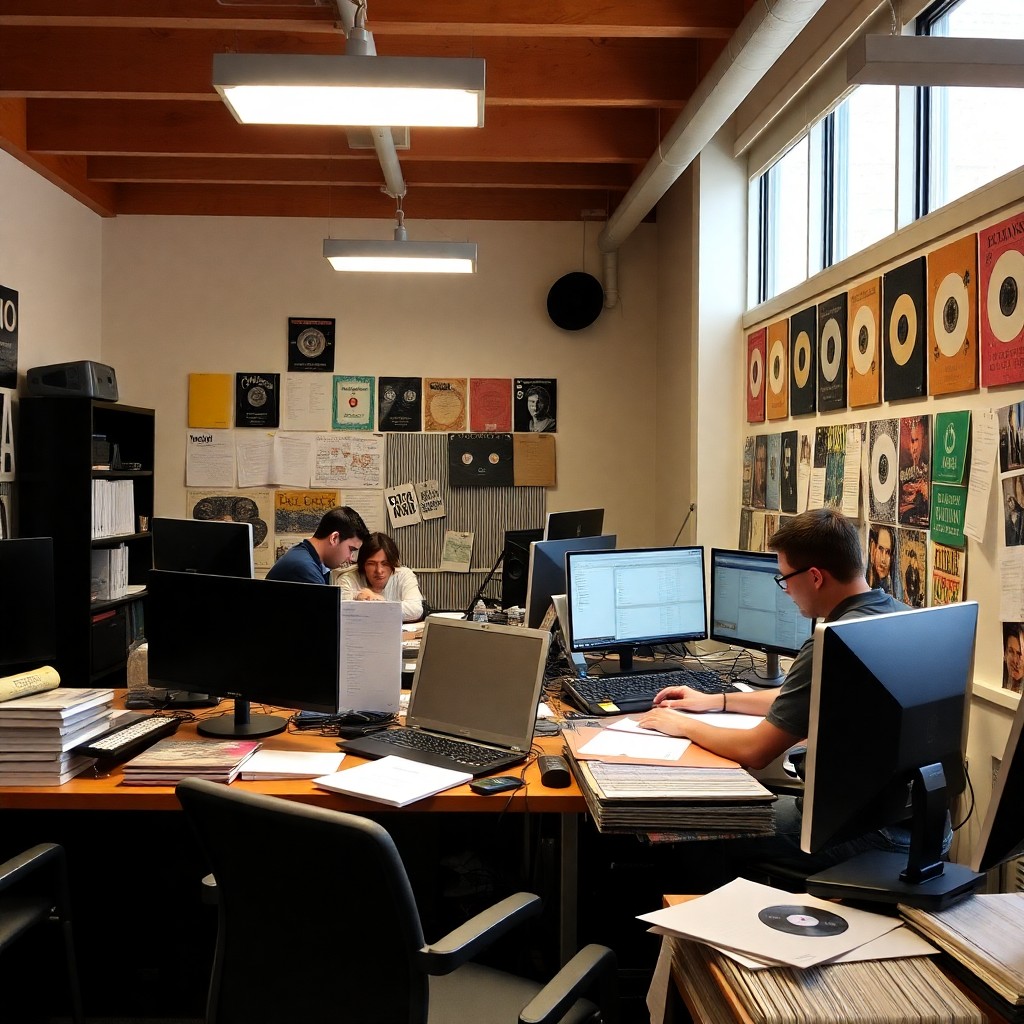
(712, 803)
(983, 938)
(39, 732)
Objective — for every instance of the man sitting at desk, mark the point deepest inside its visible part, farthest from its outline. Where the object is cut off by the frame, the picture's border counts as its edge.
(335, 543)
(379, 575)
(821, 567)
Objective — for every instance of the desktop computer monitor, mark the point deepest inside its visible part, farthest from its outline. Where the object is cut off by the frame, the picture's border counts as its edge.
(28, 631)
(207, 546)
(256, 640)
(886, 745)
(1002, 833)
(620, 600)
(583, 522)
(547, 572)
(748, 609)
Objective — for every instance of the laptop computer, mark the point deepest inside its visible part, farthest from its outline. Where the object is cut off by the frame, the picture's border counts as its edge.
(474, 698)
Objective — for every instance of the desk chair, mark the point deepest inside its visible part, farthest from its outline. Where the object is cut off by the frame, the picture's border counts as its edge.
(34, 890)
(317, 922)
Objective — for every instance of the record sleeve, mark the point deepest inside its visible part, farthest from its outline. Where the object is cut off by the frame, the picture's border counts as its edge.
(883, 470)
(755, 375)
(444, 403)
(258, 400)
(904, 330)
(748, 468)
(864, 333)
(777, 370)
(953, 317)
(912, 568)
(311, 344)
(759, 481)
(1001, 300)
(803, 361)
(535, 404)
(832, 374)
(399, 401)
(915, 471)
(772, 494)
(480, 460)
(883, 557)
(490, 404)
(352, 405)
(949, 570)
(788, 472)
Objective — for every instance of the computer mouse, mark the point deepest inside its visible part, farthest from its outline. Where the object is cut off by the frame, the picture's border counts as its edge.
(554, 771)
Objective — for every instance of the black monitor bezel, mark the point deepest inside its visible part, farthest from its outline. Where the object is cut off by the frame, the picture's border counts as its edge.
(213, 547)
(28, 635)
(580, 522)
(546, 574)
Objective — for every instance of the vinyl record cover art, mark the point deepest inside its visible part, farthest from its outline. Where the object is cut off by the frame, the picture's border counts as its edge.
(777, 396)
(835, 465)
(744, 537)
(444, 403)
(803, 361)
(480, 460)
(883, 555)
(755, 375)
(915, 471)
(953, 317)
(949, 574)
(912, 573)
(258, 400)
(400, 404)
(1001, 301)
(865, 342)
(904, 330)
(883, 470)
(748, 468)
(788, 472)
(832, 373)
(535, 405)
(759, 482)
(490, 404)
(311, 344)
(772, 495)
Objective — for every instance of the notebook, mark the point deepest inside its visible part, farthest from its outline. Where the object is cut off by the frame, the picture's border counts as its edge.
(477, 684)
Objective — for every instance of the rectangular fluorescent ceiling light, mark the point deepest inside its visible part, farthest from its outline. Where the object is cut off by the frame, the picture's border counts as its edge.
(936, 60)
(362, 90)
(392, 256)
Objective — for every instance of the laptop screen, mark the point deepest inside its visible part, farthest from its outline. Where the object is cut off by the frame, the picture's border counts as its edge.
(479, 681)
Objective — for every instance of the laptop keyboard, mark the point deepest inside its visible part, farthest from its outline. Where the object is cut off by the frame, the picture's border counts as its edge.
(457, 750)
(636, 687)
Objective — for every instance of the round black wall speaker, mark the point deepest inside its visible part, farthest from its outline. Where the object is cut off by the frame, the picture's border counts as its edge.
(575, 301)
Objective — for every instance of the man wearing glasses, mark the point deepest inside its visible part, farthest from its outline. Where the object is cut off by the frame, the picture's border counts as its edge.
(821, 567)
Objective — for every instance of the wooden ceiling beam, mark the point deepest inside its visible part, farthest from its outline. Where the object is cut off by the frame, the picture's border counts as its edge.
(512, 134)
(176, 64)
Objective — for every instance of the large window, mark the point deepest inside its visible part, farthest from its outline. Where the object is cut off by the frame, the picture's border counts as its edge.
(973, 134)
(785, 196)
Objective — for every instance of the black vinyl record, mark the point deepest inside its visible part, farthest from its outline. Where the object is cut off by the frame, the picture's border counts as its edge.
(803, 348)
(575, 300)
(832, 371)
(904, 330)
(794, 919)
(311, 344)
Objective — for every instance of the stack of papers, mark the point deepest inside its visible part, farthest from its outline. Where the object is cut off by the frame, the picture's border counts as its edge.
(170, 760)
(395, 781)
(290, 764)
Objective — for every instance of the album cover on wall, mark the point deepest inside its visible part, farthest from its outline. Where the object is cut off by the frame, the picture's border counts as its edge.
(480, 460)
(748, 467)
(444, 403)
(777, 397)
(311, 344)
(1001, 301)
(258, 400)
(400, 401)
(863, 320)
(883, 470)
(535, 404)
(788, 472)
(772, 495)
(759, 482)
(912, 567)
(490, 404)
(803, 361)
(953, 317)
(904, 330)
(915, 471)
(755, 375)
(883, 557)
(832, 353)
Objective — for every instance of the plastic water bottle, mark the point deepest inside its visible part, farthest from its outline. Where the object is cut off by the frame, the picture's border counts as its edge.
(480, 611)
(515, 616)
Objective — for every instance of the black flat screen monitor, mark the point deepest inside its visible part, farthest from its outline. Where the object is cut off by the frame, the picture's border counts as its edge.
(254, 640)
(886, 745)
(620, 600)
(547, 572)
(582, 522)
(28, 633)
(749, 609)
(203, 545)
(1002, 833)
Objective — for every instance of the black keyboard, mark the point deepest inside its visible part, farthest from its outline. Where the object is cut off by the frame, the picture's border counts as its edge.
(130, 736)
(456, 750)
(635, 691)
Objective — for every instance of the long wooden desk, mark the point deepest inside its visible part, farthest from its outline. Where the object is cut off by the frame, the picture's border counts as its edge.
(87, 793)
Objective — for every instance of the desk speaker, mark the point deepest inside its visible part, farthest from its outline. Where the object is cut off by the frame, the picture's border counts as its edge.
(515, 566)
(85, 378)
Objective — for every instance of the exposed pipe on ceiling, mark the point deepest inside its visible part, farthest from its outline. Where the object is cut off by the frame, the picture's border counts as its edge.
(759, 40)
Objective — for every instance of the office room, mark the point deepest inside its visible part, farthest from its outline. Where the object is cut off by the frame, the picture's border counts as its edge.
(652, 397)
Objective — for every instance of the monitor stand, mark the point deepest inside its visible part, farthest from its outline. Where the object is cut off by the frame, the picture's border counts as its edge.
(242, 725)
(772, 676)
(626, 664)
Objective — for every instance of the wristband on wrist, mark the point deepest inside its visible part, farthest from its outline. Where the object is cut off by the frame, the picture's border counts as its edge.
(724, 698)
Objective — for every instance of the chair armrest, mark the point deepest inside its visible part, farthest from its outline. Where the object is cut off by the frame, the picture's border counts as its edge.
(592, 968)
(17, 868)
(476, 934)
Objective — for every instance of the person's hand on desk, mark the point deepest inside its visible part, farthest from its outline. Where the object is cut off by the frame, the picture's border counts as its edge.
(686, 699)
(366, 594)
(667, 721)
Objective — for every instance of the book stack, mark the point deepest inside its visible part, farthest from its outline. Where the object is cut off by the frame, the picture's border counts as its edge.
(113, 508)
(170, 760)
(38, 734)
(109, 579)
(983, 937)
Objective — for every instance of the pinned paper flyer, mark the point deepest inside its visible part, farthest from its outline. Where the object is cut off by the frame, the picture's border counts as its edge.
(403, 508)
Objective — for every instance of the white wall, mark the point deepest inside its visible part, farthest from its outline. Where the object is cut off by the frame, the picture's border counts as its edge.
(201, 294)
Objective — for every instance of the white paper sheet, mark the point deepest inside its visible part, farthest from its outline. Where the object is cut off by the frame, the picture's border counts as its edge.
(209, 458)
(984, 451)
(371, 655)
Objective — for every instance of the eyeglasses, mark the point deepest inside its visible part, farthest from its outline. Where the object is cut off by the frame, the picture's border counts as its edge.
(781, 580)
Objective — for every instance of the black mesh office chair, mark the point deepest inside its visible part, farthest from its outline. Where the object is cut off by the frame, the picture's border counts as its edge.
(33, 891)
(317, 922)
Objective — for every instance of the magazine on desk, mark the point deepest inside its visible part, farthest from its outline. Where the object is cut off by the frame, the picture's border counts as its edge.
(396, 781)
(169, 760)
